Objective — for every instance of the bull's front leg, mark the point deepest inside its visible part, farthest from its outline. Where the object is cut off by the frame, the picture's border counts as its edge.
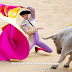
(62, 57)
(67, 64)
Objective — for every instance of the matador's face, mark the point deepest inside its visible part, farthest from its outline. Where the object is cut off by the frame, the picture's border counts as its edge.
(25, 16)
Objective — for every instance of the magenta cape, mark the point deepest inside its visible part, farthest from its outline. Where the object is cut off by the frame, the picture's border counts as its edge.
(13, 44)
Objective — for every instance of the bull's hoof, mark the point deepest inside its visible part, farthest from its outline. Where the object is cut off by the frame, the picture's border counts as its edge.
(53, 67)
(66, 66)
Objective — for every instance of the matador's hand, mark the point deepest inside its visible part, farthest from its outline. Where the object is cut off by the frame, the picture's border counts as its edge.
(23, 6)
(39, 28)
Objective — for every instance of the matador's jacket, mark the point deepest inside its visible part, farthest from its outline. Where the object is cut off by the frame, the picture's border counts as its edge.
(29, 29)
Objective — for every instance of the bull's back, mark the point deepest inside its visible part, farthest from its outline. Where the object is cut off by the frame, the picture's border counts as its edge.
(65, 36)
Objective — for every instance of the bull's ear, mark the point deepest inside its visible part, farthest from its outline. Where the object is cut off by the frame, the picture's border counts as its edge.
(54, 37)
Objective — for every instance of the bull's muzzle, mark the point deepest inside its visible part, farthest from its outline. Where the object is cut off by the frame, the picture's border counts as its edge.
(59, 52)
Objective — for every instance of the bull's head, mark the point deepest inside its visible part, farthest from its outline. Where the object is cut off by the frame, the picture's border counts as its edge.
(56, 41)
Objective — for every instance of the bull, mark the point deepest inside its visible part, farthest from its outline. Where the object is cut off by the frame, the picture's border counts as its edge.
(63, 43)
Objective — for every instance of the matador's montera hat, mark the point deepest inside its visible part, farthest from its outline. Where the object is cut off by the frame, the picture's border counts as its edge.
(25, 12)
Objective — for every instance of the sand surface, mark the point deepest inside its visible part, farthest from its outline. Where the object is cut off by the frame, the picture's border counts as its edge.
(52, 15)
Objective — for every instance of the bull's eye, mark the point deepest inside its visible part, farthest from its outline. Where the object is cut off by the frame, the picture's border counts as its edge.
(54, 41)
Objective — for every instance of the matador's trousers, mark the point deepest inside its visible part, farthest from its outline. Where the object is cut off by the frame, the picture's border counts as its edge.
(39, 43)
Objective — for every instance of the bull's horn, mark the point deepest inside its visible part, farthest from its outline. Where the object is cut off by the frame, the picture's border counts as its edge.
(48, 37)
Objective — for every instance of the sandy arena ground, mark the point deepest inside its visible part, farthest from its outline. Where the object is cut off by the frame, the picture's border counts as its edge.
(52, 15)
